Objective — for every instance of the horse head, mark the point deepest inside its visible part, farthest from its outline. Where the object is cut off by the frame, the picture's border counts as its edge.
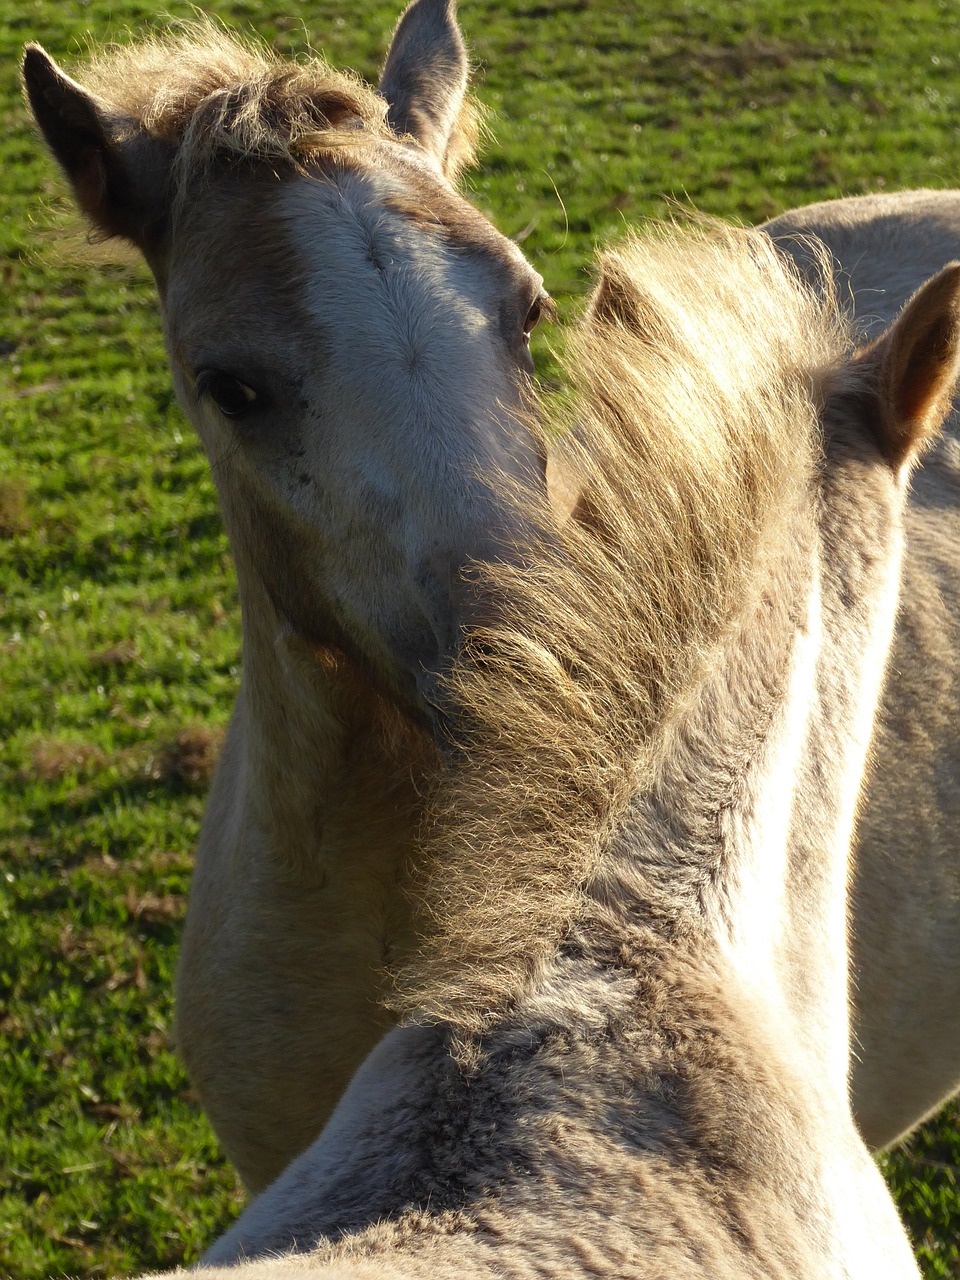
(348, 335)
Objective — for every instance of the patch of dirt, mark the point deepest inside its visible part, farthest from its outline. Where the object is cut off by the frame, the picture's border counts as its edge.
(14, 515)
(53, 759)
(189, 761)
(154, 908)
(117, 655)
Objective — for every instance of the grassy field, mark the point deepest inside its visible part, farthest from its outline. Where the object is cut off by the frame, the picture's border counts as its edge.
(119, 638)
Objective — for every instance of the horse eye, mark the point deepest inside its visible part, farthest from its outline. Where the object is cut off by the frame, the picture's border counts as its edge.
(533, 318)
(232, 397)
(541, 305)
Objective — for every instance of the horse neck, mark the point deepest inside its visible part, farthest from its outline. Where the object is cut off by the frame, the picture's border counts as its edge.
(328, 759)
(669, 1042)
(742, 841)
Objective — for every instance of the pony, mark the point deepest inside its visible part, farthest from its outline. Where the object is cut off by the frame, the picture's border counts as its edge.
(353, 452)
(906, 889)
(624, 1042)
(360, 387)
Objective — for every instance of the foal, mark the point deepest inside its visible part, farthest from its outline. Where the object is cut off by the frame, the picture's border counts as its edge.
(350, 338)
(625, 1041)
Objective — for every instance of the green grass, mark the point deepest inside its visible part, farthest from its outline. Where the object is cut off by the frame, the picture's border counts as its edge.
(119, 639)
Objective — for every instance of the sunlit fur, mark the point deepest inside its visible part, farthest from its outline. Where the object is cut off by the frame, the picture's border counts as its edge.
(626, 1038)
(697, 431)
(346, 780)
(306, 236)
(217, 95)
(609, 1092)
(905, 926)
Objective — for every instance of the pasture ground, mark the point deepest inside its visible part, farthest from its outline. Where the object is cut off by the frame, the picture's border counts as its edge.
(119, 636)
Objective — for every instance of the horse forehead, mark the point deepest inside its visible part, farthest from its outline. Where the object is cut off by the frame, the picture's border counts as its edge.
(390, 239)
(231, 269)
(331, 249)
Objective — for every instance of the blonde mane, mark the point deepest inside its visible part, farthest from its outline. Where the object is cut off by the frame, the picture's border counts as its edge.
(215, 97)
(699, 368)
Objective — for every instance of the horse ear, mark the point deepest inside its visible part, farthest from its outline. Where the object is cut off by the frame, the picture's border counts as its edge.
(424, 81)
(614, 300)
(916, 363)
(118, 172)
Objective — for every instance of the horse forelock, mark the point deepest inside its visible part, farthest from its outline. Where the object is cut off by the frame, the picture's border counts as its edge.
(698, 373)
(215, 96)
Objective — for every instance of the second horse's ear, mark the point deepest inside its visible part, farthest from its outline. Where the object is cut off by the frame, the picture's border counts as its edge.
(118, 172)
(915, 365)
(424, 81)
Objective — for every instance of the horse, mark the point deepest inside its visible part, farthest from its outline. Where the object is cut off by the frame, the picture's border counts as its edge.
(624, 1034)
(356, 386)
(352, 453)
(906, 889)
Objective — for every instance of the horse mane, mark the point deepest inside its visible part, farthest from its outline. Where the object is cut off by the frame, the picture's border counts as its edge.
(217, 96)
(698, 374)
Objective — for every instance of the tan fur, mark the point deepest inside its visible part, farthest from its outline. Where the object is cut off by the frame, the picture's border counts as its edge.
(904, 923)
(218, 96)
(278, 107)
(191, 145)
(315, 807)
(639, 1106)
(652, 1078)
(296, 909)
(709, 393)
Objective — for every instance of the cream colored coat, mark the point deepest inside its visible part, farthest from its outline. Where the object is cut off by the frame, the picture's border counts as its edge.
(905, 904)
(653, 1081)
